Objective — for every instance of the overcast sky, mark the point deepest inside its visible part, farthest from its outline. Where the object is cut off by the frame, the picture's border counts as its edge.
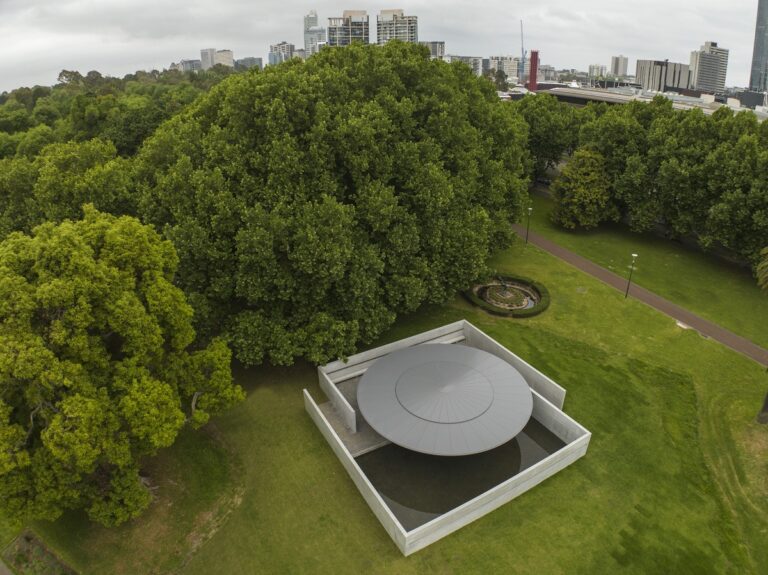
(38, 38)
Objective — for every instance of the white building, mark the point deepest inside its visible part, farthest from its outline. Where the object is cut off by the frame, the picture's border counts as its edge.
(281, 52)
(474, 62)
(597, 70)
(351, 27)
(395, 25)
(314, 34)
(508, 64)
(207, 58)
(225, 58)
(709, 66)
(619, 66)
(436, 49)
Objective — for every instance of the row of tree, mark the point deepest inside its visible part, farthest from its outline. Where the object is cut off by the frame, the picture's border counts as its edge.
(692, 174)
(124, 111)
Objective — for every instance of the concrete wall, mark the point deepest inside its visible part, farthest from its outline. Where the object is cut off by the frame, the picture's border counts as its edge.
(557, 422)
(366, 489)
(495, 498)
(548, 399)
(340, 404)
(357, 364)
(537, 380)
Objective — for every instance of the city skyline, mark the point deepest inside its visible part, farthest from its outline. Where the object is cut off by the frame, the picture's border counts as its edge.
(117, 37)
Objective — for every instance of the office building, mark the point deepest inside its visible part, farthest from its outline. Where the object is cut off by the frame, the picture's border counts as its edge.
(508, 64)
(597, 71)
(547, 73)
(395, 25)
(708, 68)
(281, 52)
(619, 66)
(314, 34)
(662, 75)
(436, 49)
(248, 63)
(474, 62)
(351, 27)
(225, 58)
(187, 66)
(758, 79)
(207, 58)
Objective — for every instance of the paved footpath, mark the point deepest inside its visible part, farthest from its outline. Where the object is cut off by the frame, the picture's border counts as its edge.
(703, 326)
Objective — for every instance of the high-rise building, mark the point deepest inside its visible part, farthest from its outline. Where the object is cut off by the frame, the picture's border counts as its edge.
(225, 58)
(597, 71)
(187, 66)
(436, 49)
(314, 34)
(351, 27)
(207, 58)
(474, 62)
(619, 65)
(395, 25)
(758, 79)
(281, 52)
(248, 63)
(708, 68)
(662, 75)
(508, 64)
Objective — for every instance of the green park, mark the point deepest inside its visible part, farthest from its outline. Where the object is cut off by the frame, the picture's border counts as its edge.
(169, 283)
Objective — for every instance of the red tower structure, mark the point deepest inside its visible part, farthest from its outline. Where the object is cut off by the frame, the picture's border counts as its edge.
(534, 73)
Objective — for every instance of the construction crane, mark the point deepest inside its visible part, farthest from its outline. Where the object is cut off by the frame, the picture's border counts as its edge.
(521, 73)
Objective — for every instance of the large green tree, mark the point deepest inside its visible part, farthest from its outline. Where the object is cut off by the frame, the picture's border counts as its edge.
(313, 202)
(552, 130)
(582, 192)
(95, 367)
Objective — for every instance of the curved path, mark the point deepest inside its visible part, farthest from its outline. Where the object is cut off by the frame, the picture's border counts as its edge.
(703, 326)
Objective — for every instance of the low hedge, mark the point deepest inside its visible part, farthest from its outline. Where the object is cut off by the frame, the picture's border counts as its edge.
(543, 304)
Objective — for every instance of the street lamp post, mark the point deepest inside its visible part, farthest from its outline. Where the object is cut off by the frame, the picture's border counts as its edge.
(629, 280)
(528, 226)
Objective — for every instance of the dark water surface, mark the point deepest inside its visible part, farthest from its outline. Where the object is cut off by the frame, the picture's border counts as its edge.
(419, 487)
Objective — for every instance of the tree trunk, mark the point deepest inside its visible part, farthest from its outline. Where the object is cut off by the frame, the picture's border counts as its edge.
(763, 416)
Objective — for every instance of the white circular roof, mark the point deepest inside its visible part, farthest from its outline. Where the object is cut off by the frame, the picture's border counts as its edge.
(444, 399)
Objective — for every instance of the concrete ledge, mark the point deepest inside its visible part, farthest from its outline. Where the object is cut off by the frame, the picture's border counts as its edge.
(359, 363)
(366, 489)
(554, 393)
(346, 412)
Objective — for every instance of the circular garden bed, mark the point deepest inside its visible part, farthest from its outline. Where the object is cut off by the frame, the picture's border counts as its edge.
(510, 296)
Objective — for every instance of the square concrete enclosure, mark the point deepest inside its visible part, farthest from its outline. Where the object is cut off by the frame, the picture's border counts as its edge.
(350, 437)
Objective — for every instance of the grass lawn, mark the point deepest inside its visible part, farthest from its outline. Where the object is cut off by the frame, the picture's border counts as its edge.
(718, 291)
(8, 531)
(675, 480)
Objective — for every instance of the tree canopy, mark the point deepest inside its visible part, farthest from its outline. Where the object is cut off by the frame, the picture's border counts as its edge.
(693, 175)
(581, 191)
(95, 366)
(313, 202)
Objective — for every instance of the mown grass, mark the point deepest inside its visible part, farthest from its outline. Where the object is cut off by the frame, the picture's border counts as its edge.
(674, 480)
(721, 292)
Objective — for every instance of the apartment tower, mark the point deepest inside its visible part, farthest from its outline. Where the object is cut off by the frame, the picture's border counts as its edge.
(395, 25)
(351, 27)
